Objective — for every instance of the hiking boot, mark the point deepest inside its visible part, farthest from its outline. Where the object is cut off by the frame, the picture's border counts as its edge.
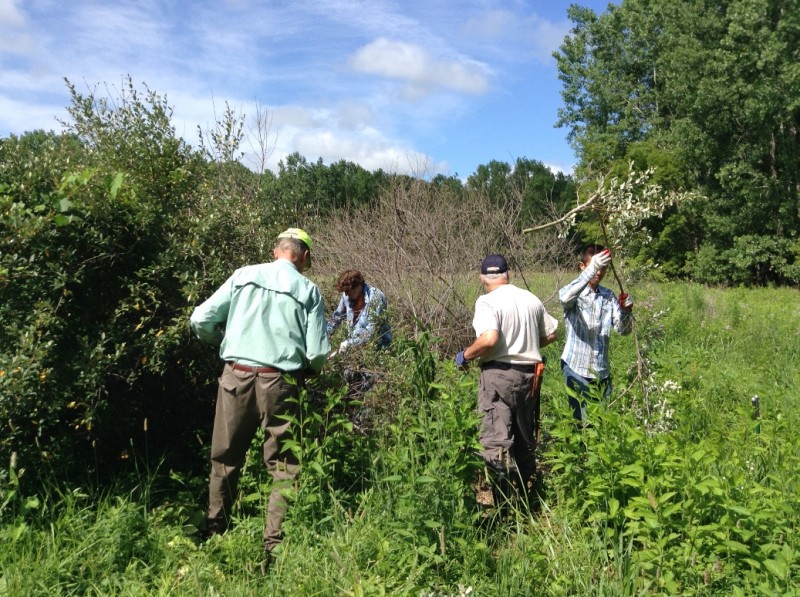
(266, 563)
(214, 527)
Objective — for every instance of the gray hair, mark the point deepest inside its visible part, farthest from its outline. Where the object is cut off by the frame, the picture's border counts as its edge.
(493, 277)
(293, 245)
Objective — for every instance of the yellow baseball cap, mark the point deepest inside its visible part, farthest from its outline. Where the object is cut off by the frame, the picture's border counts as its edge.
(300, 235)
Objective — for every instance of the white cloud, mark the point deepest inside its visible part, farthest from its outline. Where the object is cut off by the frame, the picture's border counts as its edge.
(10, 15)
(419, 69)
(334, 146)
(493, 24)
(14, 35)
(537, 36)
(12, 42)
(372, 17)
(294, 116)
(354, 115)
(24, 81)
(119, 35)
(347, 131)
(335, 75)
(330, 133)
(19, 116)
(558, 168)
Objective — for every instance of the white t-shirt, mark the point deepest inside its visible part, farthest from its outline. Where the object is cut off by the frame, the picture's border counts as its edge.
(521, 319)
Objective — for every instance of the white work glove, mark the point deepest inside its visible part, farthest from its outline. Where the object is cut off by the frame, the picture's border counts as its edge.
(599, 261)
(339, 351)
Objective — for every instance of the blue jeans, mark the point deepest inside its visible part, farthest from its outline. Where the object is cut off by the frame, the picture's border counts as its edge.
(585, 387)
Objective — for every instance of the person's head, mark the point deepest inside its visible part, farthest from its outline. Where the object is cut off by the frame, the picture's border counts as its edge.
(295, 245)
(586, 255)
(494, 270)
(351, 283)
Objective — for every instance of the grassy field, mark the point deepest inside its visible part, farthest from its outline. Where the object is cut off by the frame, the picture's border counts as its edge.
(676, 488)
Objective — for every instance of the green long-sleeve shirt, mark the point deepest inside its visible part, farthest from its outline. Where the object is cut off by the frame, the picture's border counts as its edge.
(272, 316)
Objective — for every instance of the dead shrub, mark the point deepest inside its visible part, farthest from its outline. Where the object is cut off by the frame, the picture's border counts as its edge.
(422, 244)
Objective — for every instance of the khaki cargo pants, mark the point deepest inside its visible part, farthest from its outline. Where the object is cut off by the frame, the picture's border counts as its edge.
(245, 401)
(506, 407)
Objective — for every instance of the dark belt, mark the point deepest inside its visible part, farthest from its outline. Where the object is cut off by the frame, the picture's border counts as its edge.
(526, 368)
(250, 369)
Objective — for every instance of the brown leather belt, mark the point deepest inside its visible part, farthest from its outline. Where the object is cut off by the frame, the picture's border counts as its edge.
(250, 369)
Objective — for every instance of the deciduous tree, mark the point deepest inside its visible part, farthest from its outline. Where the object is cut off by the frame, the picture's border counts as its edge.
(714, 86)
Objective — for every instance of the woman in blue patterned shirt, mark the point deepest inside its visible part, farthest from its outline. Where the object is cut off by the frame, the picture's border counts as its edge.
(363, 308)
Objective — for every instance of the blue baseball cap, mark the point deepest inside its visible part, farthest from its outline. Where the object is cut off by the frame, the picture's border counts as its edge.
(494, 264)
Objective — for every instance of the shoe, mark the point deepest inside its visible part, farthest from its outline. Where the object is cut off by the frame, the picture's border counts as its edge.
(266, 562)
(213, 527)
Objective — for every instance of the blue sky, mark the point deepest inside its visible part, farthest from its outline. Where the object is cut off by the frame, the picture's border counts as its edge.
(414, 86)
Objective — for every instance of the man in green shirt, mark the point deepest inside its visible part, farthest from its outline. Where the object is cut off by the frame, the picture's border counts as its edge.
(269, 322)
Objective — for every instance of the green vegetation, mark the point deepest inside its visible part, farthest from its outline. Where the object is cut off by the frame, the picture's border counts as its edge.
(705, 92)
(112, 231)
(675, 489)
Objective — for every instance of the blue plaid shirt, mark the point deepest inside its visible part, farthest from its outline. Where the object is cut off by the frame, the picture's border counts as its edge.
(589, 316)
(370, 323)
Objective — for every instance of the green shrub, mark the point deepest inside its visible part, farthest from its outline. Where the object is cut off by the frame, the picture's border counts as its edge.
(752, 261)
(102, 258)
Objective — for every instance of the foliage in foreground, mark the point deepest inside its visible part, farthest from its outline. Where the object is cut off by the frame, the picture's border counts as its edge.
(675, 489)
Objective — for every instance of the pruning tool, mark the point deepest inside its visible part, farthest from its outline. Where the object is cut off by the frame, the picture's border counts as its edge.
(536, 394)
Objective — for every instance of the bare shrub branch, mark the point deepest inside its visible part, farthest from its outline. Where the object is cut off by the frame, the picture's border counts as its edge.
(261, 139)
(422, 244)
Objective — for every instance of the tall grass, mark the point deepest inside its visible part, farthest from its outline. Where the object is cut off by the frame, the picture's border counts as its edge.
(676, 488)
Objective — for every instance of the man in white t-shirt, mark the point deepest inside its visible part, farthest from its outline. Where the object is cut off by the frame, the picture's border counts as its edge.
(511, 325)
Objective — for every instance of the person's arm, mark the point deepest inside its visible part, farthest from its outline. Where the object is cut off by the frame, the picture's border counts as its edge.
(317, 344)
(622, 319)
(570, 293)
(482, 345)
(550, 326)
(364, 328)
(338, 316)
(549, 339)
(488, 335)
(207, 319)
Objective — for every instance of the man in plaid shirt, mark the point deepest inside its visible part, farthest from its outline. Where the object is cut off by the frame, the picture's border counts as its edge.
(590, 312)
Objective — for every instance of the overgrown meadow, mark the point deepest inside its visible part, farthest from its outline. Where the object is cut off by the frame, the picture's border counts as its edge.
(110, 234)
(679, 486)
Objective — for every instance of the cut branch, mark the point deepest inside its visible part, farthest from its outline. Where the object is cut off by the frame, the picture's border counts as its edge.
(566, 216)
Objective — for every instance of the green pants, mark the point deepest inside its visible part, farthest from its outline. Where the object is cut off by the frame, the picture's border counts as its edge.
(245, 401)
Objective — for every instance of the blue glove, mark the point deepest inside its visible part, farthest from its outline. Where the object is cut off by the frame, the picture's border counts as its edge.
(461, 360)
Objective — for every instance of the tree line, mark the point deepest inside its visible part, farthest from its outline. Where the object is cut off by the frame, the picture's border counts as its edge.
(707, 93)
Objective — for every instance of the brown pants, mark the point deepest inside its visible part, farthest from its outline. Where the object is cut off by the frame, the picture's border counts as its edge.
(506, 433)
(246, 401)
